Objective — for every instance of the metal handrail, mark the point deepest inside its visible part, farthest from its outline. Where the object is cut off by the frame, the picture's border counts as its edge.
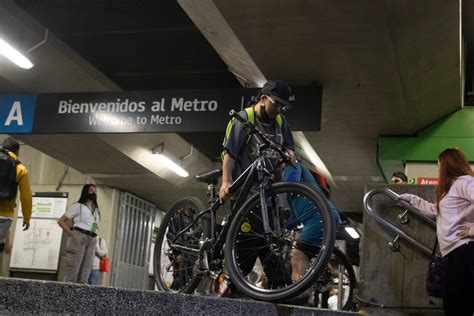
(387, 224)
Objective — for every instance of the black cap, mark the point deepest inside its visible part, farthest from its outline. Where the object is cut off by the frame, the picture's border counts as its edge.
(278, 89)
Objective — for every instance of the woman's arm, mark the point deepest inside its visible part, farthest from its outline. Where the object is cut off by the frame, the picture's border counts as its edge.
(101, 249)
(425, 207)
(62, 221)
(104, 248)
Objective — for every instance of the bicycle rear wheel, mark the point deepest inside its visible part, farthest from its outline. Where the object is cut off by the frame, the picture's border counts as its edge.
(175, 270)
(338, 270)
(260, 263)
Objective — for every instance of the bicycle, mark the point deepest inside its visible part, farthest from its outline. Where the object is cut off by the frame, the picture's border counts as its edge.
(340, 275)
(256, 228)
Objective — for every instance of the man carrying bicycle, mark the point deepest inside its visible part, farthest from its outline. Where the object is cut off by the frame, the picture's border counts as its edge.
(240, 151)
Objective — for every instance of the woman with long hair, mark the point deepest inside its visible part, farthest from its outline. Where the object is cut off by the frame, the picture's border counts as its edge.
(81, 242)
(454, 213)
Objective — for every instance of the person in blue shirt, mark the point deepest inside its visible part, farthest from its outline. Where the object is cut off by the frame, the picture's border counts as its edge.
(306, 213)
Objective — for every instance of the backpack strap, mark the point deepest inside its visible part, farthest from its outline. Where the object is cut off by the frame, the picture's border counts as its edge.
(250, 115)
(251, 119)
(279, 120)
(249, 111)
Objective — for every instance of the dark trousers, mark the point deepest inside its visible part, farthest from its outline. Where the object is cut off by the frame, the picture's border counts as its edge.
(276, 272)
(459, 299)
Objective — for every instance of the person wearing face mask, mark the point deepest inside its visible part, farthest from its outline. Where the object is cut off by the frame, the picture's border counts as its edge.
(81, 242)
(240, 151)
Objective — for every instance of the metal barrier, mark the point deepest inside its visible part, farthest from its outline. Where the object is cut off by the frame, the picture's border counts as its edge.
(403, 218)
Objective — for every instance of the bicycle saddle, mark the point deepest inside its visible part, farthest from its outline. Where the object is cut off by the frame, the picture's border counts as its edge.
(211, 177)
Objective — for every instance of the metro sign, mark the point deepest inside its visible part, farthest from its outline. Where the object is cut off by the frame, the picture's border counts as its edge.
(160, 111)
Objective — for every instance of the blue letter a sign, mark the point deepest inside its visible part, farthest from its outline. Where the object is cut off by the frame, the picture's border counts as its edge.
(17, 113)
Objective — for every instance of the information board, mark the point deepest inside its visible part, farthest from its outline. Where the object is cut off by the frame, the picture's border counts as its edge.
(38, 247)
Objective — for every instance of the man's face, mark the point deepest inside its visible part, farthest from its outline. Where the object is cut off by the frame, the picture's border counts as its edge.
(396, 180)
(272, 106)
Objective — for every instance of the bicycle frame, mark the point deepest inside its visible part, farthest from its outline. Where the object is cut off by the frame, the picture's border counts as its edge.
(213, 243)
(244, 182)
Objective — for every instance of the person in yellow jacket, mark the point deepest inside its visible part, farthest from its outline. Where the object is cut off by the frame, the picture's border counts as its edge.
(8, 204)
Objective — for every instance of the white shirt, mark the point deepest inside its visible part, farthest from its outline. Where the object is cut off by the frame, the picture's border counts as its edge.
(100, 251)
(332, 302)
(82, 216)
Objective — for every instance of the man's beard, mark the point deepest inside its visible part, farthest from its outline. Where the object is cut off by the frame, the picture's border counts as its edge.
(264, 116)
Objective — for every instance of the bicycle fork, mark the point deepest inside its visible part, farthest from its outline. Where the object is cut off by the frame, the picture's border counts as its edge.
(263, 206)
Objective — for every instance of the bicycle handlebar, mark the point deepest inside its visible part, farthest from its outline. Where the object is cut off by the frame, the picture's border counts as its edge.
(263, 138)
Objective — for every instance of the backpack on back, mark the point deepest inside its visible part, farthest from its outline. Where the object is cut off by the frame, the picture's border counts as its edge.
(249, 111)
(322, 182)
(8, 184)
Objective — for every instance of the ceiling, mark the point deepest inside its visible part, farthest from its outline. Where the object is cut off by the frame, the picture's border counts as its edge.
(383, 72)
(139, 45)
(382, 69)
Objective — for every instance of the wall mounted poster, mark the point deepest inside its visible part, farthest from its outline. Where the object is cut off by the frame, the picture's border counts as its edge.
(38, 247)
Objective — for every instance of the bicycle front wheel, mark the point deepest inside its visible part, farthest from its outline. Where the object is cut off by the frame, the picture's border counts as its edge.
(175, 270)
(262, 264)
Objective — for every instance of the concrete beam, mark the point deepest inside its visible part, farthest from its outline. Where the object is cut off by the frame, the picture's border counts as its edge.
(207, 17)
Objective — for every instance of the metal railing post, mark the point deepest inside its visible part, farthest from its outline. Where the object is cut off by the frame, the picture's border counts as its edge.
(403, 217)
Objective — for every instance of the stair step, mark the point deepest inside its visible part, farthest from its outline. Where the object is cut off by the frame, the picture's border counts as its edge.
(46, 297)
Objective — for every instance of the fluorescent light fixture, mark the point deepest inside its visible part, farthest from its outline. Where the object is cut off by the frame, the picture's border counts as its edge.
(14, 56)
(352, 232)
(168, 163)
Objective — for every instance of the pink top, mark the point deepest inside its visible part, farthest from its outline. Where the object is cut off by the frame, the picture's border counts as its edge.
(456, 210)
